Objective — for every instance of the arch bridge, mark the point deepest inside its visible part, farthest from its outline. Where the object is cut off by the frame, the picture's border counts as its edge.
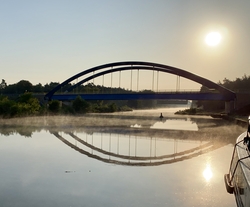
(214, 92)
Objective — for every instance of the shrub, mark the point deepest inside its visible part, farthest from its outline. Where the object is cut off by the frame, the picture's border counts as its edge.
(80, 106)
(54, 106)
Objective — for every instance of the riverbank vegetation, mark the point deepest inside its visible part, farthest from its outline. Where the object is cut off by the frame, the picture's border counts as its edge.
(239, 85)
(27, 105)
(24, 99)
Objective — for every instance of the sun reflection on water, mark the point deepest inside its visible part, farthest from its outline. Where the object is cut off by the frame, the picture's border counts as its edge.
(176, 124)
(207, 173)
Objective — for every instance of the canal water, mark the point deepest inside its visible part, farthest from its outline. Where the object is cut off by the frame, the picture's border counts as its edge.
(121, 159)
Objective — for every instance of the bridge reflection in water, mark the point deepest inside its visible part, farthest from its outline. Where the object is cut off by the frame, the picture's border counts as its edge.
(133, 150)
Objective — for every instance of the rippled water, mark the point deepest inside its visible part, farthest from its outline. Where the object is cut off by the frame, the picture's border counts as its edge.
(123, 159)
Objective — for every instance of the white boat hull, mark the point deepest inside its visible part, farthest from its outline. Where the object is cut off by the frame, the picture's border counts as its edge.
(238, 179)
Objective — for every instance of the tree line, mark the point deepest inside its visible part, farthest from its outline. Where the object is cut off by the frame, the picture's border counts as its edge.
(25, 86)
(239, 85)
(19, 99)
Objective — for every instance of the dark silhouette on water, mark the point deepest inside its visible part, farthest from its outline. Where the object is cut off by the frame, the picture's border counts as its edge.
(161, 116)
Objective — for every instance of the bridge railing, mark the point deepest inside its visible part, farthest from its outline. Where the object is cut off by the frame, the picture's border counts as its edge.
(117, 91)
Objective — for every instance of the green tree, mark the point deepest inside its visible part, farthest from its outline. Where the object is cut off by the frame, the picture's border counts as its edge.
(23, 86)
(112, 107)
(3, 85)
(5, 106)
(37, 88)
(80, 106)
(27, 105)
(49, 87)
(24, 98)
(54, 106)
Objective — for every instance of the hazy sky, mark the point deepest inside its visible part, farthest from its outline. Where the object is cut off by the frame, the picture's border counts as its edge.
(52, 40)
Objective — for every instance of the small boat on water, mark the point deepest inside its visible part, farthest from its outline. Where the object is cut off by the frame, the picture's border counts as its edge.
(238, 178)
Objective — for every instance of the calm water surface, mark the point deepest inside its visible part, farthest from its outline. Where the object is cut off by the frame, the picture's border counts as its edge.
(139, 160)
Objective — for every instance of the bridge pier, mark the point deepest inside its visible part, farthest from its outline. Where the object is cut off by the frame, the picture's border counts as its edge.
(229, 106)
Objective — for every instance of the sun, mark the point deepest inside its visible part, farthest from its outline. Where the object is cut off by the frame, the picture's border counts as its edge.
(213, 39)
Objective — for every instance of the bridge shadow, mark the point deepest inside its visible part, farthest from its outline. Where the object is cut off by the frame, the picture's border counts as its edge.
(109, 156)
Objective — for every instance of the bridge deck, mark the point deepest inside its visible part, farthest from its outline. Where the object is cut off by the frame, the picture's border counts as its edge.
(143, 96)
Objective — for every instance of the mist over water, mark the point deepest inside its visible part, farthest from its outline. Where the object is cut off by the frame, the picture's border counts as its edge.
(121, 159)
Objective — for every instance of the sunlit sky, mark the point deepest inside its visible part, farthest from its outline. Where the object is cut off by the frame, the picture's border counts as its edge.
(52, 40)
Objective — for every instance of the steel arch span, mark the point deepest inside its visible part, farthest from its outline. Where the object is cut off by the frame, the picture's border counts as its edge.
(138, 65)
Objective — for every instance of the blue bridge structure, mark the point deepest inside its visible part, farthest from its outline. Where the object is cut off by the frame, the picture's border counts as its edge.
(213, 92)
